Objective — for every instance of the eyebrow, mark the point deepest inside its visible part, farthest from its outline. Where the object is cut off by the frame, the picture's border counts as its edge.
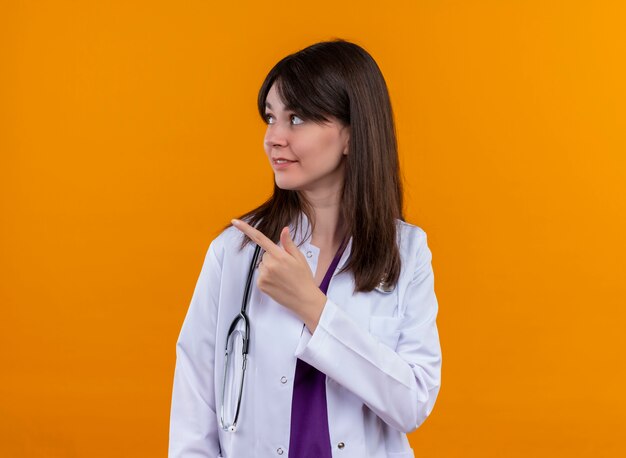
(287, 107)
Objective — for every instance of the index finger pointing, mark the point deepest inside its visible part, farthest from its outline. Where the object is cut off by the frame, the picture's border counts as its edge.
(257, 236)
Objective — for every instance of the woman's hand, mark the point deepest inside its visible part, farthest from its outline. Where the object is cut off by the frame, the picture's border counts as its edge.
(285, 275)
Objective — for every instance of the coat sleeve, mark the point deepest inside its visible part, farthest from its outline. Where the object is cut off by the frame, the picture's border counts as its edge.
(193, 421)
(399, 386)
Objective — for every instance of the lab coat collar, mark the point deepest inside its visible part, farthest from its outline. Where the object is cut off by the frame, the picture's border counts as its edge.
(300, 233)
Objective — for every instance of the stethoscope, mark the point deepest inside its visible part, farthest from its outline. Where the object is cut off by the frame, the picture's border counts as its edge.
(242, 317)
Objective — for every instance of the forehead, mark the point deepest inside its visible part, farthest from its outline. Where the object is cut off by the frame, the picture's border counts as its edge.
(273, 101)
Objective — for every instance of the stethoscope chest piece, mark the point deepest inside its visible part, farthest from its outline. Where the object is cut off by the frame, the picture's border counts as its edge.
(384, 288)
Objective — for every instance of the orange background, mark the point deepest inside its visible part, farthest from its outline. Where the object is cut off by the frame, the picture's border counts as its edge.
(129, 136)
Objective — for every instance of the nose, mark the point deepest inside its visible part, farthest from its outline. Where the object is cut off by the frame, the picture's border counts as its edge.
(275, 136)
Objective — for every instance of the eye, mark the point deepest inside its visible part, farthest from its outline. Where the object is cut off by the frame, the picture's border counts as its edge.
(294, 119)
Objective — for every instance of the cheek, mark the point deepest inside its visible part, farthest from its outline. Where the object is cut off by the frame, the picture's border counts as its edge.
(330, 148)
(320, 147)
(302, 146)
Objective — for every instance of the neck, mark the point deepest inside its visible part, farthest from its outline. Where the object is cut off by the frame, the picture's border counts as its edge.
(329, 224)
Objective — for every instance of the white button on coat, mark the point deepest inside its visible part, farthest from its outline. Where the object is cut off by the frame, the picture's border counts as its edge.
(380, 351)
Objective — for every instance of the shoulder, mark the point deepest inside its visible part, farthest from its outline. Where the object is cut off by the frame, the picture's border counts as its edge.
(227, 238)
(409, 235)
(225, 244)
(413, 244)
(407, 227)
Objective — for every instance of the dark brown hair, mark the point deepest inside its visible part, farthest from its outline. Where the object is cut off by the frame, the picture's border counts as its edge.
(340, 79)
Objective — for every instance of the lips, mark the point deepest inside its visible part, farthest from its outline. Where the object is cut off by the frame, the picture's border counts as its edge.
(276, 159)
(279, 164)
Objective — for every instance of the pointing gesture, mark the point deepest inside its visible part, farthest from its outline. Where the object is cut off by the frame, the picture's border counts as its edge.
(285, 275)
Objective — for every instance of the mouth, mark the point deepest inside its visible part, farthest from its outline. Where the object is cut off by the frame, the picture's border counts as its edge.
(281, 161)
(280, 164)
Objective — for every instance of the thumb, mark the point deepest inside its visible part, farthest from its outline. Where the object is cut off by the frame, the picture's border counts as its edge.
(288, 244)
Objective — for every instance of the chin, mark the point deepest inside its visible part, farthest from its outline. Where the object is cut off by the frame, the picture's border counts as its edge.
(287, 185)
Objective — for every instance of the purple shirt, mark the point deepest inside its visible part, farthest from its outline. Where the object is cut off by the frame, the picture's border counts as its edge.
(310, 437)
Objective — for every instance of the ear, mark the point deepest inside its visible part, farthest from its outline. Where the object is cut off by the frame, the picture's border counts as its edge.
(347, 145)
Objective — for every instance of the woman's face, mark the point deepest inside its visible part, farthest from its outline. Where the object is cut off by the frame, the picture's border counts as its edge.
(315, 152)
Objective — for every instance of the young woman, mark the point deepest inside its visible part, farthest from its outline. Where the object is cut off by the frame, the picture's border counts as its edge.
(343, 357)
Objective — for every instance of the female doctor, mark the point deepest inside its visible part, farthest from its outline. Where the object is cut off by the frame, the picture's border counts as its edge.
(343, 357)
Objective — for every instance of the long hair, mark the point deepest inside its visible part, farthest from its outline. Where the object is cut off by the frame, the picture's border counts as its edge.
(340, 79)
